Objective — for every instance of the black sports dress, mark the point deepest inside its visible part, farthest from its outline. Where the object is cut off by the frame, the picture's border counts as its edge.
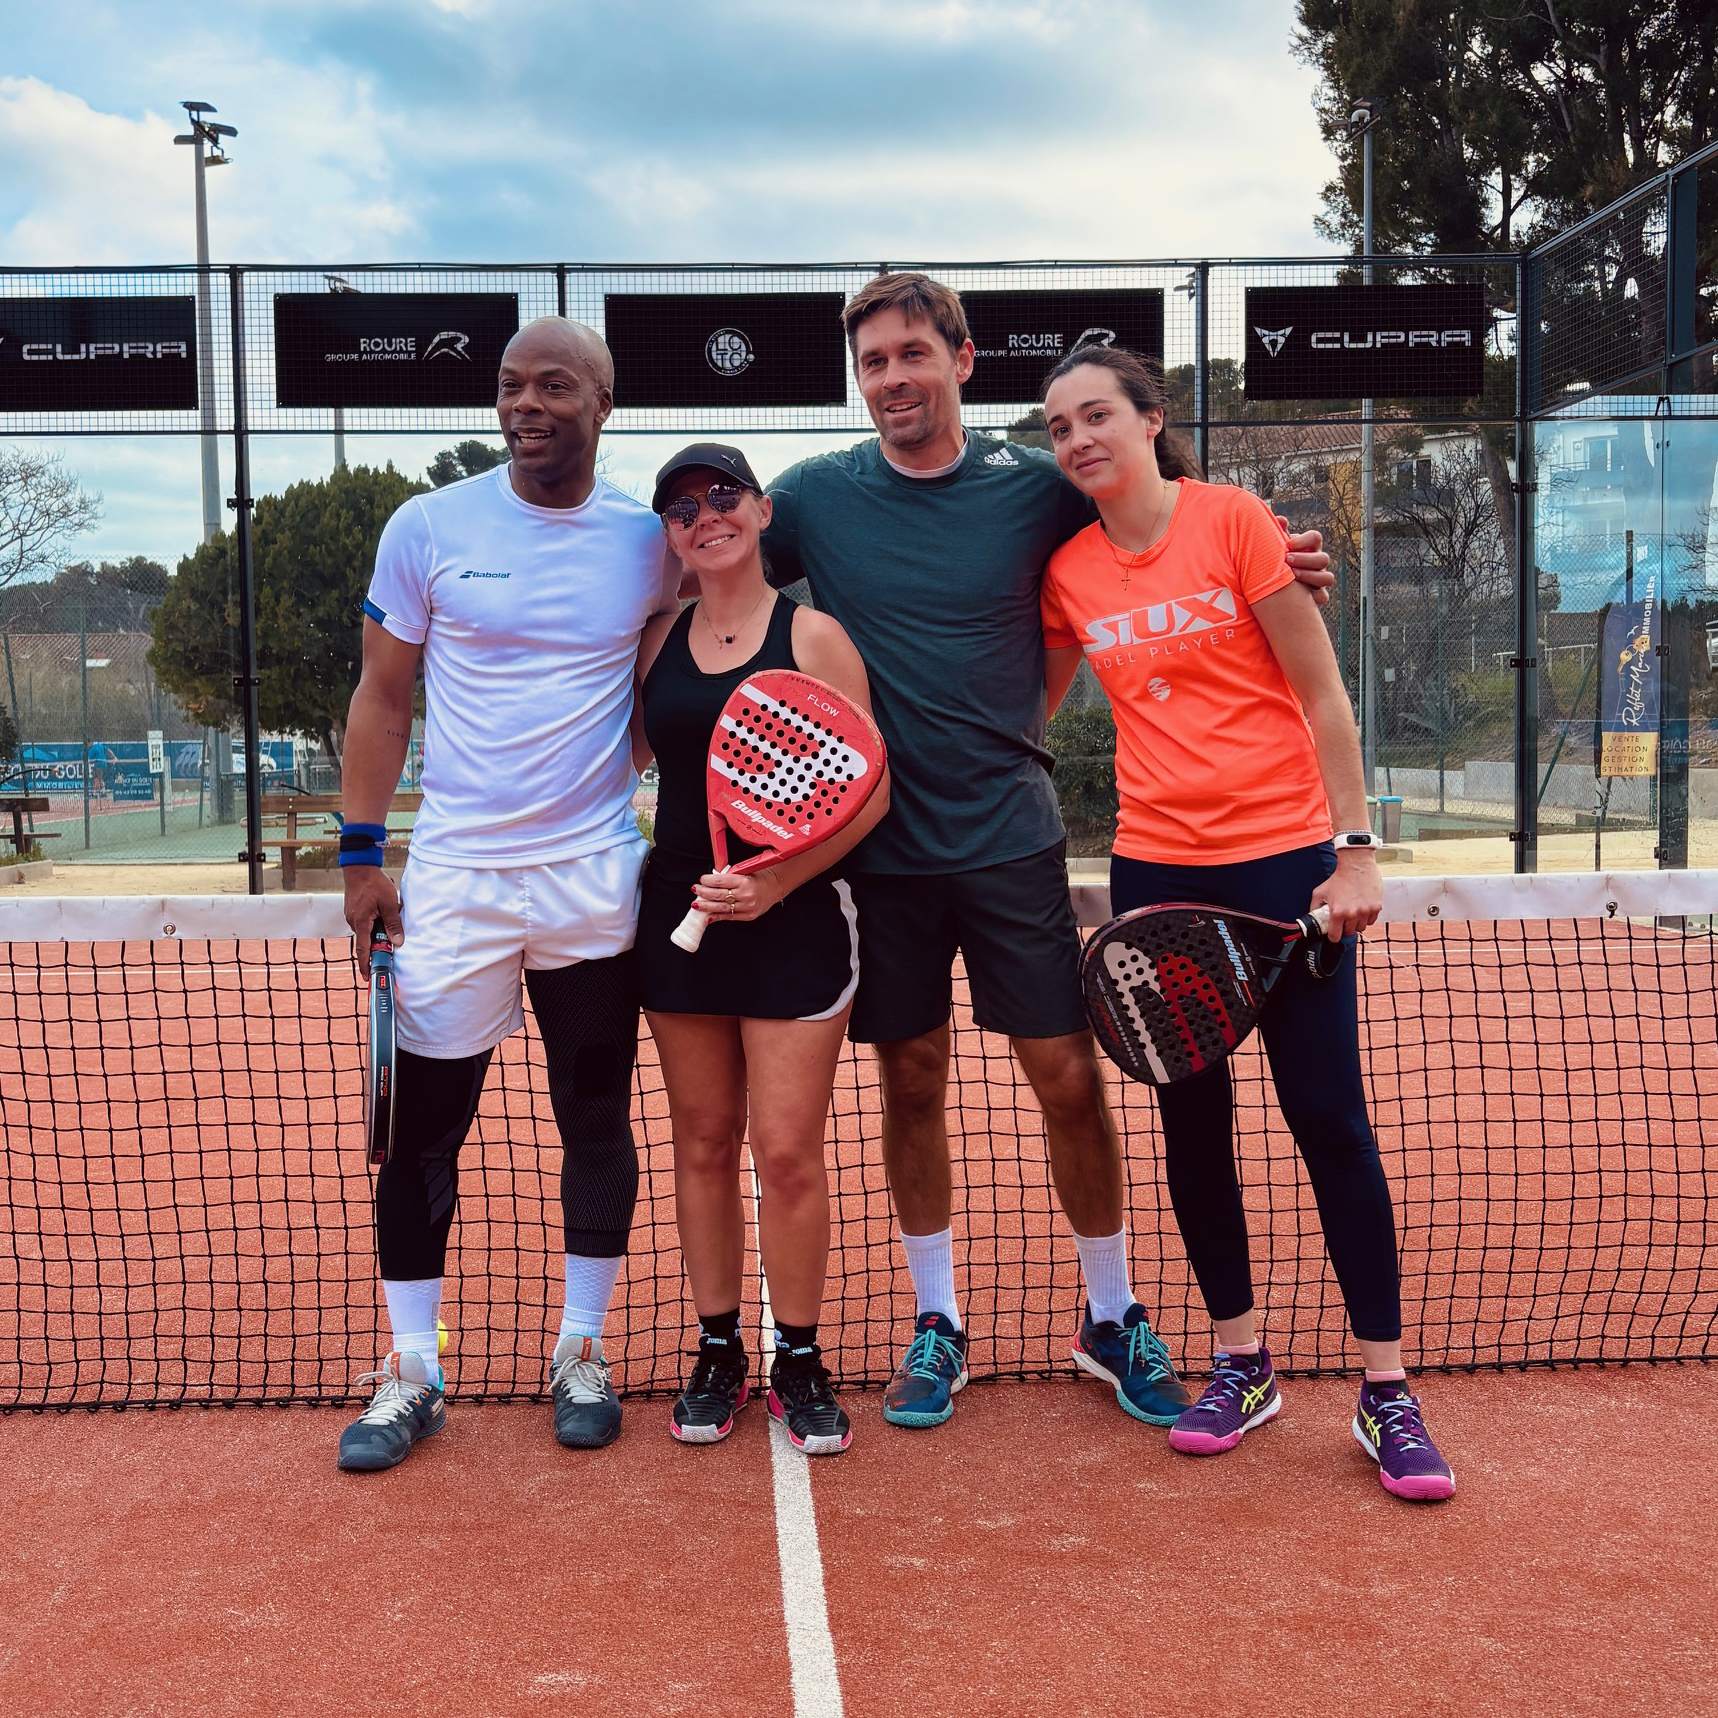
(800, 961)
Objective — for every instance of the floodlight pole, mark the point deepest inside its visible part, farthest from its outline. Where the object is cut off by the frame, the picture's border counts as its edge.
(206, 135)
(337, 283)
(1360, 123)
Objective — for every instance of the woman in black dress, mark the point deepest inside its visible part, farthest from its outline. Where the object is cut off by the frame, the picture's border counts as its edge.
(750, 1027)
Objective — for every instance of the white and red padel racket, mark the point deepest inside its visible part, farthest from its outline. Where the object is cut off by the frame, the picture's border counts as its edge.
(792, 762)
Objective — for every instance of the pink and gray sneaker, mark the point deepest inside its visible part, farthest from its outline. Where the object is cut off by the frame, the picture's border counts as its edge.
(1242, 1394)
(1388, 1427)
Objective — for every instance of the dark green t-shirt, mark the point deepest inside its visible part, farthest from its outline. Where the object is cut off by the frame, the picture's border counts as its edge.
(936, 581)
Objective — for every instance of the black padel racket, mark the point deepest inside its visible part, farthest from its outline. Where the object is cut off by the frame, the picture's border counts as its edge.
(1171, 990)
(379, 1073)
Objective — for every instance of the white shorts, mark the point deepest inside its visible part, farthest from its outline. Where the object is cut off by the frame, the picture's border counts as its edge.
(470, 933)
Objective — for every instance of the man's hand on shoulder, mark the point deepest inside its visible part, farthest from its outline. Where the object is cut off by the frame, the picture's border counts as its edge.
(1308, 561)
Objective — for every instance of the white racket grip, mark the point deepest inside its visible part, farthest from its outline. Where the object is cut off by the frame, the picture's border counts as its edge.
(1320, 916)
(690, 931)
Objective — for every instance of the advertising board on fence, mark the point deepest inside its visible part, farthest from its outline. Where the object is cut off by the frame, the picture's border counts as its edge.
(1365, 342)
(405, 349)
(98, 354)
(1630, 680)
(1018, 337)
(726, 348)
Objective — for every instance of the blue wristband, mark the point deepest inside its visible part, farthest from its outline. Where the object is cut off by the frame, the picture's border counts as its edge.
(362, 843)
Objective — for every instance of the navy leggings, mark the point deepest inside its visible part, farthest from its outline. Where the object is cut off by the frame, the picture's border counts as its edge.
(1311, 1032)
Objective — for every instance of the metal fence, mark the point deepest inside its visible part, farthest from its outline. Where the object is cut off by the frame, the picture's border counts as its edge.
(1448, 651)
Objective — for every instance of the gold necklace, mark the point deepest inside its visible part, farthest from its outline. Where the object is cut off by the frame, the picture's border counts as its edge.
(1127, 567)
(729, 637)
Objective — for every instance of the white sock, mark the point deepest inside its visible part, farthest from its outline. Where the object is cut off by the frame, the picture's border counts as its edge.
(413, 1308)
(590, 1287)
(930, 1261)
(1103, 1263)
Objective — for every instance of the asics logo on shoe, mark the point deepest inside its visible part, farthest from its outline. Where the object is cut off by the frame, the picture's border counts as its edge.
(1001, 457)
(1373, 1430)
(1250, 1399)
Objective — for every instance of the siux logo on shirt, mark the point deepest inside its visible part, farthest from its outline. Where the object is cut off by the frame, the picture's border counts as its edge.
(1179, 617)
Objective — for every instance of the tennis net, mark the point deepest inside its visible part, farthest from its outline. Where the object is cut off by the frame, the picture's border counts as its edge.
(186, 1205)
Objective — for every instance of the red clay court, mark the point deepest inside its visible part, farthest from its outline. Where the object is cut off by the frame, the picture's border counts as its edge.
(186, 1213)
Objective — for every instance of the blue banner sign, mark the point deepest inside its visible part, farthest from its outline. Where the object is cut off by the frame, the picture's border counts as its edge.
(1630, 678)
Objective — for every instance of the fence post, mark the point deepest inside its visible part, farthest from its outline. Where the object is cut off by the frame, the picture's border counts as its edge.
(1202, 363)
(245, 681)
(1525, 834)
(560, 289)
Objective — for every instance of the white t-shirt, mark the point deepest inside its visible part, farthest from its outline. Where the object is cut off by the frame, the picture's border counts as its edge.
(530, 619)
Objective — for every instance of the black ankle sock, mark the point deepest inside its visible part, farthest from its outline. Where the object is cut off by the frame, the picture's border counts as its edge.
(723, 1327)
(791, 1339)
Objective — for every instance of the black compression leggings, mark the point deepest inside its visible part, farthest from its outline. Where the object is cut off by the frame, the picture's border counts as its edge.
(588, 1016)
(1311, 1034)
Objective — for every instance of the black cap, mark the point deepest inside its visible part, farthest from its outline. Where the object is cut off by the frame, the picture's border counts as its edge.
(708, 456)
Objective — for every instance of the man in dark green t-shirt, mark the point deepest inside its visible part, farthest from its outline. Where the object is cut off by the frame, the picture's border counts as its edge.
(929, 546)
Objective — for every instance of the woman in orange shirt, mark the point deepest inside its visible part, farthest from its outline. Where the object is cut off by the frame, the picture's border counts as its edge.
(1235, 747)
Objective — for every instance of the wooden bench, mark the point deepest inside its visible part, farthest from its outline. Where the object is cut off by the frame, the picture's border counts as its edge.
(18, 807)
(283, 811)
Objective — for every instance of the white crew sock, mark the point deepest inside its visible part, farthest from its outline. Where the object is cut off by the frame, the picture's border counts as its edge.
(590, 1287)
(1103, 1263)
(413, 1308)
(930, 1261)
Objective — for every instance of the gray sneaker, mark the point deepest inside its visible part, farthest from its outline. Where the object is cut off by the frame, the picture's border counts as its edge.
(406, 1406)
(587, 1411)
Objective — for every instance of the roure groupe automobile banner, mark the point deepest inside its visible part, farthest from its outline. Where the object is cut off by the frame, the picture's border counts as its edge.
(1365, 342)
(401, 349)
(1018, 337)
(726, 348)
(98, 354)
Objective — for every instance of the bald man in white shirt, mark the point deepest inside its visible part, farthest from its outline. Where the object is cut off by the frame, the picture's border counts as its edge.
(521, 593)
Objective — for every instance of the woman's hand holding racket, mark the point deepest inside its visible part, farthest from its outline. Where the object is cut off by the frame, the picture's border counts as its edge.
(737, 896)
(1352, 895)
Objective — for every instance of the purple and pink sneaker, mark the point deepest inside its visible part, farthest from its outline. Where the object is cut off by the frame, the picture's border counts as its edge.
(1242, 1394)
(1388, 1427)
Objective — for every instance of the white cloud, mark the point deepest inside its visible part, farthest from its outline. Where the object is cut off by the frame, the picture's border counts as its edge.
(305, 178)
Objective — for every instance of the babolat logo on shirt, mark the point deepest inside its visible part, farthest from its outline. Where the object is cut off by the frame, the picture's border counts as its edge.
(1180, 617)
(473, 573)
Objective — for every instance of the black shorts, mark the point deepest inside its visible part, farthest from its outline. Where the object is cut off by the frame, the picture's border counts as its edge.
(798, 962)
(1014, 925)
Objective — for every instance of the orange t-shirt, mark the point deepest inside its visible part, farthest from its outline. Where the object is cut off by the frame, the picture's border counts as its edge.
(1214, 758)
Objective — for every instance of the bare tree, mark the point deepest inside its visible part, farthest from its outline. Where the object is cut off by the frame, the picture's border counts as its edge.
(43, 507)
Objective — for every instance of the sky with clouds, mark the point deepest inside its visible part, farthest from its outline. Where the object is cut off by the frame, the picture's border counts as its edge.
(521, 131)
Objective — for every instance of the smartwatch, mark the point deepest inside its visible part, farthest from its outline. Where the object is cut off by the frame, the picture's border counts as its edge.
(1357, 838)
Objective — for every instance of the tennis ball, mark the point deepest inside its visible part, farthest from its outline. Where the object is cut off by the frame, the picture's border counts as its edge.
(440, 1337)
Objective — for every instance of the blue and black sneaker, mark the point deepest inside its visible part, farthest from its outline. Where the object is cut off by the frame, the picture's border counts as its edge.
(1131, 1358)
(932, 1374)
(407, 1406)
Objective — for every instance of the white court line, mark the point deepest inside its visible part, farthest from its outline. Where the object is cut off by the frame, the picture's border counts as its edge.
(810, 1646)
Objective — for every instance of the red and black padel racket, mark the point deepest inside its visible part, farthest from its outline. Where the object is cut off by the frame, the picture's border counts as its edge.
(792, 762)
(1172, 990)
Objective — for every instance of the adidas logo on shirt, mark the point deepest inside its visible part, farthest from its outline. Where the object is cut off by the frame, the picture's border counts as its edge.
(1001, 457)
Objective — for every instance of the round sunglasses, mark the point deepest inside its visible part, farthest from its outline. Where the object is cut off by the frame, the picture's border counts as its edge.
(683, 513)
